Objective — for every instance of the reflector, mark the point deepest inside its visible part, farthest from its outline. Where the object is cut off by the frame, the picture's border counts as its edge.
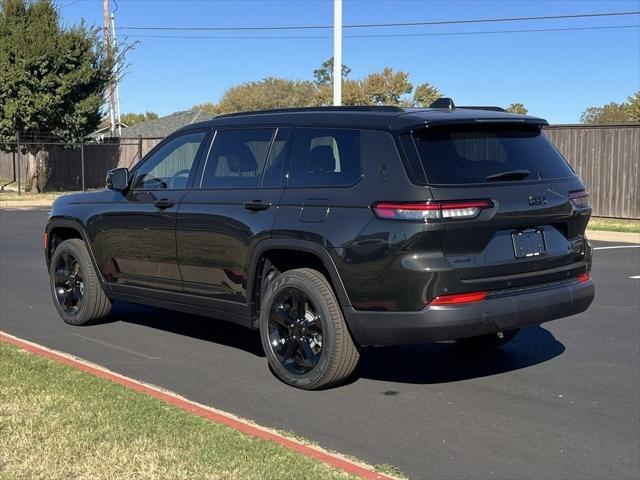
(458, 298)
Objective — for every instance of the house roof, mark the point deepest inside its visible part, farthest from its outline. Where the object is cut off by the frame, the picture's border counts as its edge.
(163, 126)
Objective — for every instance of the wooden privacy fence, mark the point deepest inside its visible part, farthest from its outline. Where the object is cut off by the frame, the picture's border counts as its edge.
(607, 158)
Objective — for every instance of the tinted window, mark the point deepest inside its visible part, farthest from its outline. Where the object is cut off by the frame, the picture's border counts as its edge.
(169, 166)
(325, 157)
(277, 156)
(237, 158)
(470, 154)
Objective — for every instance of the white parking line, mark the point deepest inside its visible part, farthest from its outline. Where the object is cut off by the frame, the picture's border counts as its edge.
(615, 247)
(635, 277)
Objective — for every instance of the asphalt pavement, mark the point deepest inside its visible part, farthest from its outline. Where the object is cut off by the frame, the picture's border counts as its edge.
(560, 401)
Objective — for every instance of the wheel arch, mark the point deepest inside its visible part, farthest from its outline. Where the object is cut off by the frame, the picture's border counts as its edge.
(59, 229)
(300, 251)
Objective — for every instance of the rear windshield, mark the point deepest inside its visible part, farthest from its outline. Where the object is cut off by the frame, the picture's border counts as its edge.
(479, 154)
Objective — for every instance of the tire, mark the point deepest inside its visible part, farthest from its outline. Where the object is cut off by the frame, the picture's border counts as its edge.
(322, 320)
(77, 293)
(489, 341)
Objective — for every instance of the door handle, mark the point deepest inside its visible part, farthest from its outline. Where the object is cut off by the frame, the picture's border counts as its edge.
(163, 203)
(256, 205)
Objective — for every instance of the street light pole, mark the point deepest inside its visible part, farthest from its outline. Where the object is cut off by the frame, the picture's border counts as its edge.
(337, 52)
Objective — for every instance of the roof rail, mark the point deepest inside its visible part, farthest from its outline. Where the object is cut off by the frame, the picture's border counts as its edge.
(351, 108)
(481, 107)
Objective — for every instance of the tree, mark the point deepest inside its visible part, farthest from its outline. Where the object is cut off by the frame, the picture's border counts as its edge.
(610, 113)
(518, 108)
(425, 94)
(324, 75)
(634, 107)
(52, 79)
(132, 118)
(386, 87)
(378, 88)
(268, 93)
(206, 107)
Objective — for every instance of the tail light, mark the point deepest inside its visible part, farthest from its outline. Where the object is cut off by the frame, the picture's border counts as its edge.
(584, 277)
(425, 211)
(579, 199)
(458, 298)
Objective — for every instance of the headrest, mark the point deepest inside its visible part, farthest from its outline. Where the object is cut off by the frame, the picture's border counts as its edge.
(241, 159)
(321, 159)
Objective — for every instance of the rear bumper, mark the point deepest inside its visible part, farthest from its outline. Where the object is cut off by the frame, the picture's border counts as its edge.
(436, 323)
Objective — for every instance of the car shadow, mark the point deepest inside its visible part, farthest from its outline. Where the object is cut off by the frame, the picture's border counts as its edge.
(202, 328)
(451, 362)
(419, 364)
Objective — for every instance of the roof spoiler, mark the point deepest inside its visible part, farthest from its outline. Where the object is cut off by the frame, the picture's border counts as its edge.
(446, 103)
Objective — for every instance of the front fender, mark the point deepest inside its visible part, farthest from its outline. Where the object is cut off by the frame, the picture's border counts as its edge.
(70, 223)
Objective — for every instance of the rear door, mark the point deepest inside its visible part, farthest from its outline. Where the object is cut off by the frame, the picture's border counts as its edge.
(530, 231)
(230, 209)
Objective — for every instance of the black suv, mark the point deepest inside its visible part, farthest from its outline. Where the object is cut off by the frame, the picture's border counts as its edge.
(329, 229)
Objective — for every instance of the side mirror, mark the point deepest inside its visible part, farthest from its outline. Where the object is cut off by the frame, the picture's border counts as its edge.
(118, 179)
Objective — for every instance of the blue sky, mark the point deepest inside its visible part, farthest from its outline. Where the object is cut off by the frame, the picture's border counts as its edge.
(555, 74)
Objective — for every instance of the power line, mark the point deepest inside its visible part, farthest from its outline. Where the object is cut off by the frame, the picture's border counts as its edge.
(303, 37)
(396, 24)
(69, 4)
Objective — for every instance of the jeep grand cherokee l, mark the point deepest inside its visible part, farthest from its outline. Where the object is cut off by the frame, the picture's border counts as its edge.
(328, 229)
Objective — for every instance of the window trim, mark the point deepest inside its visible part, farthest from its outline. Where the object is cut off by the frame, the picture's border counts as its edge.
(201, 171)
(291, 157)
(194, 168)
(287, 153)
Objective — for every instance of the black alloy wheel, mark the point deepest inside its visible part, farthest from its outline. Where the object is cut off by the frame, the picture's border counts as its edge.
(68, 283)
(303, 332)
(295, 331)
(76, 289)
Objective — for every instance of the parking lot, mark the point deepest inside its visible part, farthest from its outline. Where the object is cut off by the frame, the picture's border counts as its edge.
(561, 401)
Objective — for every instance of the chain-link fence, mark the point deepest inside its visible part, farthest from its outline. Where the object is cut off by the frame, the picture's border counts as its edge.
(53, 167)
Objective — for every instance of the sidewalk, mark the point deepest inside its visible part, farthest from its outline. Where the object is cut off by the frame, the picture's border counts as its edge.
(25, 203)
(618, 237)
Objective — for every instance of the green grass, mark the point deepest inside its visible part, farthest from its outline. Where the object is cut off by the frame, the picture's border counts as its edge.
(614, 225)
(390, 470)
(57, 422)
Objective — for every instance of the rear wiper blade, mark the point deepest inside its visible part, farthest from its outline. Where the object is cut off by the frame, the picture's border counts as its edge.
(509, 175)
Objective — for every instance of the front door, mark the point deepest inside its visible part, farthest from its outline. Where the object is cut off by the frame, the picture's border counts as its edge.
(138, 240)
(230, 209)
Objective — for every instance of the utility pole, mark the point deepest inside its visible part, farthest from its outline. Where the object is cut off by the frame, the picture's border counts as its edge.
(106, 23)
(115, 72)
(337, 52)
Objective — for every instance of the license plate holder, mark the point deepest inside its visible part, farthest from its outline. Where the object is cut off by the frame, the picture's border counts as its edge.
(529, 243)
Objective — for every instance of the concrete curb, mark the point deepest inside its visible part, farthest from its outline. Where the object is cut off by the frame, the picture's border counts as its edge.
(25, 203)
(244, 426)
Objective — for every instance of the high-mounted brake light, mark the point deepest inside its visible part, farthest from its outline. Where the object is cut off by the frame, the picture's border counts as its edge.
(458, 298)
(579, 199)
(425, 211)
